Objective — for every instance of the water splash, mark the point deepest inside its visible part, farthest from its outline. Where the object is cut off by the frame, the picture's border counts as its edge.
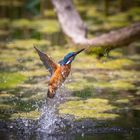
(50, 120)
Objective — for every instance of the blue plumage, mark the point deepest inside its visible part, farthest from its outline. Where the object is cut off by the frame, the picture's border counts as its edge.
(67, 59)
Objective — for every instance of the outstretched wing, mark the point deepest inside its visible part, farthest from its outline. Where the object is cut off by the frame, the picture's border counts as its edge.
(47, 61)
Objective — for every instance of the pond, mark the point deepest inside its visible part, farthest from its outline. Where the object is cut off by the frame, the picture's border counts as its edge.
(99, 100)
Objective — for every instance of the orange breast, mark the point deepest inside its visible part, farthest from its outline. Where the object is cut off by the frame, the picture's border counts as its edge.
(59, 76)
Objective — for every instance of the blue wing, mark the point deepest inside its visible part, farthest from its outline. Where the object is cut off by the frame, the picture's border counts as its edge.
(47, 61)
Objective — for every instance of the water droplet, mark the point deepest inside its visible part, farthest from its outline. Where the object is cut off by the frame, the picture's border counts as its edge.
(82, 134)
(11, 126)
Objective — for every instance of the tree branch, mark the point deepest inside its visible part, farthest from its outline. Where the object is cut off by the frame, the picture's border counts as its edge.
(118, 37)
(73, 26)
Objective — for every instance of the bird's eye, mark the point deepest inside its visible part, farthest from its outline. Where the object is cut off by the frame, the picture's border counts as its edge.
(70, 58)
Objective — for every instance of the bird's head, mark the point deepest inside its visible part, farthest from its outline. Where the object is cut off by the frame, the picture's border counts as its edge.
(69, 57)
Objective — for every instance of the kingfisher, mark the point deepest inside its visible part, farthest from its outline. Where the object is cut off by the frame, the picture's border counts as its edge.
(59, 71)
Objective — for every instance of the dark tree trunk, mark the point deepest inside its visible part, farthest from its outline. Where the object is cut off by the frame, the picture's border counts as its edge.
(125, 4)
(106, 7)
(73, 26)
(42, 7)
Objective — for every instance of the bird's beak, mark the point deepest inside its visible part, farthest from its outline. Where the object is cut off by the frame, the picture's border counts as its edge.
(78, 52)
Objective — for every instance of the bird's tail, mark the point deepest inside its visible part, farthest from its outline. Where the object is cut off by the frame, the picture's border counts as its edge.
(50, 94)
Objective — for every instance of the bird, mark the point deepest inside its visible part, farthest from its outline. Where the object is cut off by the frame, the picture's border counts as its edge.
(59, 71)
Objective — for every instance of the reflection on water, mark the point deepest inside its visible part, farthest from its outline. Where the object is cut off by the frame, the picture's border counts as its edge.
(128, 135)
(52, 127)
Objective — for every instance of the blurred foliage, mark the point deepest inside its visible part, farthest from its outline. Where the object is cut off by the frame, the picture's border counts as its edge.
(29, 115)
(4, 22)
(26, 43)
(9, 80)
(91, 108)
(21, 23)
(32, 6)
(101, 89)
(43, 26)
